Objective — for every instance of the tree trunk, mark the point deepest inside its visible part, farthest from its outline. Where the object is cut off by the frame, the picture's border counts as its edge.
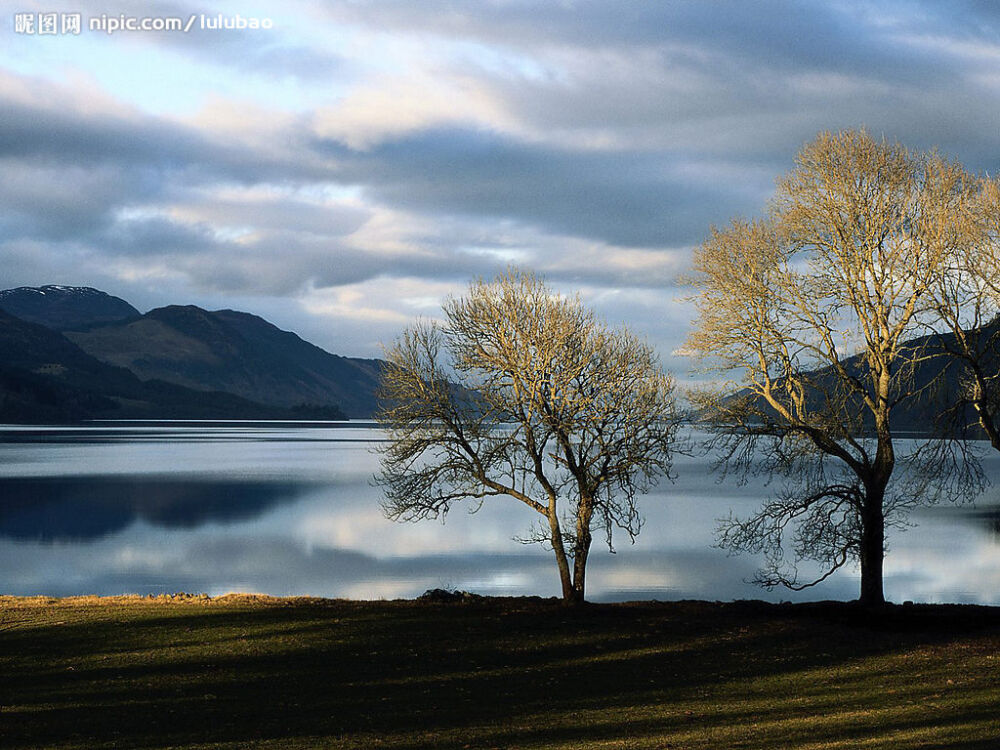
(584, 513)
(560, 551)
(987, 420)
(872, 553)
(873, 512)
(985, 413)
(580, 567)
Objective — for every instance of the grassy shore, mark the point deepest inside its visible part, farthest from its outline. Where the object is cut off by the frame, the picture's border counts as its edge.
(243, 671)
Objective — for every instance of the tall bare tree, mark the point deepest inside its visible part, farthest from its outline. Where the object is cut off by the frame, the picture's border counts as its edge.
(967, 307)
(815, 305)
(523, 393)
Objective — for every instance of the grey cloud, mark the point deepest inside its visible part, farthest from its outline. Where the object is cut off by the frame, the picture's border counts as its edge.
(84, 169)
(284, 262)
(623, 198)
(158, 236)
(793, 34)
(977, 18)
(165, 148)
(281, 214)
(69, 176)
(749, 63)
(60, 202)
(274, 263)
(34, 263)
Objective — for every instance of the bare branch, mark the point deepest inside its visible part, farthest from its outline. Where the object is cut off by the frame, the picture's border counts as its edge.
(523, 393)
(817, 307)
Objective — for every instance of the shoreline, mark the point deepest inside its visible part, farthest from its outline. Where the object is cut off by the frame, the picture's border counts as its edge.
(444, 599)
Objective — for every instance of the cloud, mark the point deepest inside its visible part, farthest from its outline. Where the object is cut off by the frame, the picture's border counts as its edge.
(392, 106)
(236, 208)
(628, 199)
(372, 146)
(748, 79)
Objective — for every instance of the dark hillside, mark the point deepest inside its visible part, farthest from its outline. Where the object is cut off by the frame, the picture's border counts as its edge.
(63, 308)
(235, 352)
(44, 377)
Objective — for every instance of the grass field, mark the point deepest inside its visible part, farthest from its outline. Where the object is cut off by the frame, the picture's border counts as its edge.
(244, 671)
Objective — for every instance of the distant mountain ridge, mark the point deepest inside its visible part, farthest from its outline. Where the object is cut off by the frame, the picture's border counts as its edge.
(219, 351)
(65, 307)
(44, 377)
(939, 383)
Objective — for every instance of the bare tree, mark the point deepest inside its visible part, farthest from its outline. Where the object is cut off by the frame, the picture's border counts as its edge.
(817, 305)
(967, 308)
(523, 393)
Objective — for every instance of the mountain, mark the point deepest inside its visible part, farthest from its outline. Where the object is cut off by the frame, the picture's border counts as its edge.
(938, 381)
(235, 352)
(223, 350)
(44, 377)
(63, 308)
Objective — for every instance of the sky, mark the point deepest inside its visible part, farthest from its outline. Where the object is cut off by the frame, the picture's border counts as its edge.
(344, 170)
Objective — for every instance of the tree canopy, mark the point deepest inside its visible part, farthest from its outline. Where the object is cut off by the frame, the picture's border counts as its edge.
(966, 302)
(818, 305)
(523, 393)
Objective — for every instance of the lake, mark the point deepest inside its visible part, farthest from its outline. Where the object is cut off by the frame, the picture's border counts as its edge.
(289, 509)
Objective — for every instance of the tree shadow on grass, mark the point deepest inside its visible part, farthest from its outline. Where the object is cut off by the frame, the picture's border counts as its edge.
(500, 673)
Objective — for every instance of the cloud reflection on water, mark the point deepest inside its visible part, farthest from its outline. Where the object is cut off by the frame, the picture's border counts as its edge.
(299, 516)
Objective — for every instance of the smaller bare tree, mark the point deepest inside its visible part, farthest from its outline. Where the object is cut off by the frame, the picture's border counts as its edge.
(523, 393)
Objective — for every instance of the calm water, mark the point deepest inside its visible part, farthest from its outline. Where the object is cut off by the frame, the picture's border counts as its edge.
(289, 509)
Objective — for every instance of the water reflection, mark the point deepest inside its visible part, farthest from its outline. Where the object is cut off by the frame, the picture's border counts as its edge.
(289, 509)
(988, 516)
(136, 431)
(83, 508)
